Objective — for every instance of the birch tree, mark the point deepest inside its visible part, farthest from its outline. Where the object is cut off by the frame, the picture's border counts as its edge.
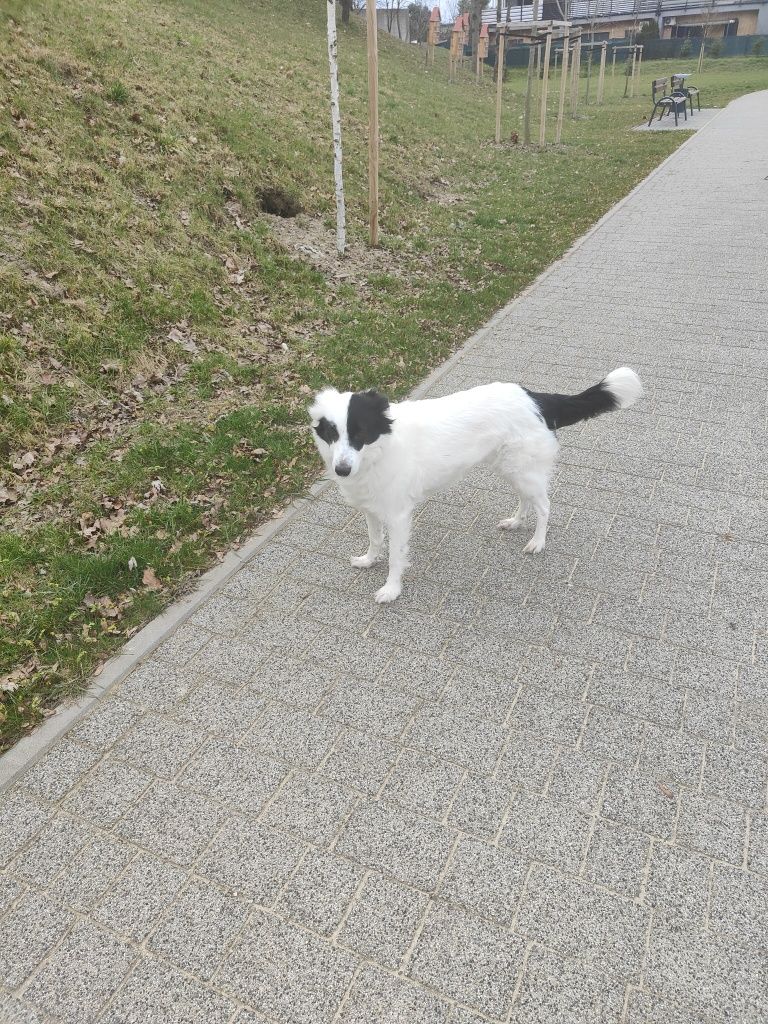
(333, 64)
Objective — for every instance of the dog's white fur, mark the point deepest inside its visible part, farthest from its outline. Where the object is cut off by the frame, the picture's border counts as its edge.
(432, 445)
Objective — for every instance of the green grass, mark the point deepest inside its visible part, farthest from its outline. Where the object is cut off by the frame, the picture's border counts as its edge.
(137, 143)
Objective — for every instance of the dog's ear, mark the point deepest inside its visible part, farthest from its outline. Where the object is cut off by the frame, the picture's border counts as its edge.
(320, 405)
(367, 418)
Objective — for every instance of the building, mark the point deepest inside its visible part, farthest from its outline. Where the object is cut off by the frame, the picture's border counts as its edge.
(617, 19)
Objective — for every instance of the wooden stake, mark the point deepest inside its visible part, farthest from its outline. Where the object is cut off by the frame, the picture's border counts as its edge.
(544, 85)
(601, 76)
(632, 73)
(563, 84)
(528, 97)
(373, 125)
(500, 44)
(575, 69)
(639, 63)
(333, 64)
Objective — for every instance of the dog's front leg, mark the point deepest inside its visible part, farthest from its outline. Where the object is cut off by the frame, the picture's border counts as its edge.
(399, 535)
(375, 544)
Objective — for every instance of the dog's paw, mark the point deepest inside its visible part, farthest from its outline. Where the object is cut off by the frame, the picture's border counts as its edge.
(389, 592)
(533, 547)
(511, 524)
(363, 561)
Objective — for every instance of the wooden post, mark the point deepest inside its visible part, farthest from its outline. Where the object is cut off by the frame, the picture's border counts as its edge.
(544, 85)
(373, 124)
(500, 43)
(601, 76)
(528, 96)
(563, 84)
(432, 27)
(333, 64)
(639, 63)
(482, 52)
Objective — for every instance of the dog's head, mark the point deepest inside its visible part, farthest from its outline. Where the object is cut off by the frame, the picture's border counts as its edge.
(346, 426)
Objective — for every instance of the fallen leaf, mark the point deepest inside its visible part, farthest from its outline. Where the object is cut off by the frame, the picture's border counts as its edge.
(149, 579)
(7, 496)
(665, 791)
(132, 563)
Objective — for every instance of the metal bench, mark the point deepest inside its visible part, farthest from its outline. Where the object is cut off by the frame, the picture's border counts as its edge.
(678, 85)
(666, 102)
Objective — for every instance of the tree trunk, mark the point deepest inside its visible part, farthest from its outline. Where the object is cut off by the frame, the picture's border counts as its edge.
(475, 24)
(336, 125)
(346, 10)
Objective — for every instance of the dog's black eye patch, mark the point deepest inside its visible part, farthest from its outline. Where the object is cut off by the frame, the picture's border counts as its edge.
(366, 418)
(326, 431)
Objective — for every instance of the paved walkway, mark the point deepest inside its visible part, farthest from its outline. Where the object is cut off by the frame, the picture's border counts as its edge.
(534, 789)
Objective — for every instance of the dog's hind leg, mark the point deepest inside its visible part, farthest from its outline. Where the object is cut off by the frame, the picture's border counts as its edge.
(399, 537)
(518, 519)
(540, 501)
(375, 544)
(529, 467)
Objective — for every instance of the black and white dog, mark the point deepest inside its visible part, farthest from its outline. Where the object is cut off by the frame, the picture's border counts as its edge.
(387, 458)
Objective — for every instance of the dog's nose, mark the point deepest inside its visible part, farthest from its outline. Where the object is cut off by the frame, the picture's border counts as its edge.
(343, 469)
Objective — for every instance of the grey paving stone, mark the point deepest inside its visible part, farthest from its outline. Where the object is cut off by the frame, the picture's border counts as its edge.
(735, 775)
(298, 683)
(638, 696)
(757, 858)
(361, 762)
(383, 921)
(159, 745)
(449, 735)
(417, 674)
(373, 708)
(709, 715)
(220, 615)
(104, 725)
(155, 685)
(288, 974)
(240, 777)
(552, 716)
(527, 762)
(698, 671)
(497, 654)
(641, 801)
(171, 823)
(362, 657)
(485, 880)
(479, 695)
(215, 708)
(55, 846)
(547, 830)
(182, 644)
(198, 926)
(138, 898)
(227, 660)
(381, 997)
(597, 643)
(310, 808)
(671, 757)
(250, 859)
(93, 871)
(739, 904)
(546, 670)
(21, 817)
(27, 933)
(715, 974)
(678, 883)
(576, 919)
(59, 770)
(319, 892)
(468, 959)
(651, 657)
(10, 890)
(339, 608)
(616, 858)
(479, 807)
(293, 736)
(18, 1011)
(612, 736)
(556, 990)
(712, 826)
(107, 792)
(423, 784)
(81, 975)
(158, 994)
(578, 778)
(651, 1008)
(389, 839)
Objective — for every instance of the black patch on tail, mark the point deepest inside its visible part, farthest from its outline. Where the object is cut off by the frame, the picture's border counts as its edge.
(565, 410)
(367, 418)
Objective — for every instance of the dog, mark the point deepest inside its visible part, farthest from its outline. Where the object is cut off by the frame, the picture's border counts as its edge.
(389, 457)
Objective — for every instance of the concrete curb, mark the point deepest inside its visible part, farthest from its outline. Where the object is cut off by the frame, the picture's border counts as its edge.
(32, 747)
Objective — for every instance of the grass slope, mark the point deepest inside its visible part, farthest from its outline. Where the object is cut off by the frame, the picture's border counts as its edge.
(160, 333)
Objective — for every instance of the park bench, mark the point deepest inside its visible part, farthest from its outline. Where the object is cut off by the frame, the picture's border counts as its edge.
(666, 102)
(678, 85)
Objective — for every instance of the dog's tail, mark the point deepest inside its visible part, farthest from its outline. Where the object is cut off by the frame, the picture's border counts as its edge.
(620, 389)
